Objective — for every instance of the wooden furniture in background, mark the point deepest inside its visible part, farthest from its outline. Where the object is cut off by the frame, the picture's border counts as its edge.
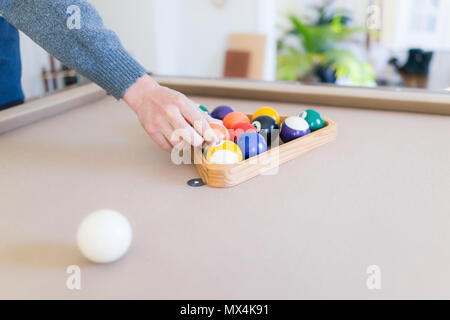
(237, 64)
(255, 44)
(224, 176)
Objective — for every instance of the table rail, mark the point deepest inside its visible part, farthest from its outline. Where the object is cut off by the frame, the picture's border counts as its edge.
(49, 106)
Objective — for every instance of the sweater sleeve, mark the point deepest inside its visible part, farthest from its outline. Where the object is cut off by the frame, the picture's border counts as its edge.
(73, 32)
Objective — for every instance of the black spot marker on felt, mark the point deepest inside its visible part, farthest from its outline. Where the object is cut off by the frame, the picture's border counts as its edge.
(196, 183)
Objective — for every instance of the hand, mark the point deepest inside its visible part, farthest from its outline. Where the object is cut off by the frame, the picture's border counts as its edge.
(162, 113)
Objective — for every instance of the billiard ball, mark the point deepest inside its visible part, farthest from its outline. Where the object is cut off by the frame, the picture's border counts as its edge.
(205, 150)
(268, 128)
(267, 111)
(203, 108)
(221, 112)
(252, 144)
(313, 118)
(104, 236)
(234, 118)
(239, 129)
(220, 131)
(225, 152)
(294, 128)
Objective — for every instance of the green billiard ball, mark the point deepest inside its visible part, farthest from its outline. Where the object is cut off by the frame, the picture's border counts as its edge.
(313, 118)
(203, 108)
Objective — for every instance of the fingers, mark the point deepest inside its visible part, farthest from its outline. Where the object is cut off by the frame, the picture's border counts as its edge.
(183, 145)
(182, 129)
(161, 141)
(198, 120)
(210, 119)
(168, 132)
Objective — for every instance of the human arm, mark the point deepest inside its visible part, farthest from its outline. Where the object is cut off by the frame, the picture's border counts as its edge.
(96, 53)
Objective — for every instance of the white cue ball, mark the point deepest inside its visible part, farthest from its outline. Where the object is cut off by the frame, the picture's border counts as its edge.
(104, 236)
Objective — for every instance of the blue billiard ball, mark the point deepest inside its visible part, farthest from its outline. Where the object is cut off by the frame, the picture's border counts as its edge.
(251, 144)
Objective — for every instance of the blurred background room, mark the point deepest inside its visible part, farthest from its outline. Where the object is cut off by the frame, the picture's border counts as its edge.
(370, 43)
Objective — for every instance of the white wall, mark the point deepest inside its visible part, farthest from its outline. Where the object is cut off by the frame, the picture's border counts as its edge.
(187, 38)
(34, 59)
(134, 23)
(172, 37)
(411, 17)
(204, 30)
(132, 20)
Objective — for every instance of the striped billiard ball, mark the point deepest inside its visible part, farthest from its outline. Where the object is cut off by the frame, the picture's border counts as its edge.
(220, 131)
(205, 150)
(251, 144)
(226, 152)
(313, 118)
(203, 108)
(294, 128)
(239, 129)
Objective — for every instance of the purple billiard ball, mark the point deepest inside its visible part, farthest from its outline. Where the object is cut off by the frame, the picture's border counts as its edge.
(251, 144)
(221, 112)
(294, 128)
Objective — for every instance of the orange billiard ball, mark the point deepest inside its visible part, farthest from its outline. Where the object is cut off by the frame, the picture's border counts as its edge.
(234, 118)
(220, 131)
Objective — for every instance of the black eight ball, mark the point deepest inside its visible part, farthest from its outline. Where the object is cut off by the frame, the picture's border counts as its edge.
(268, 128)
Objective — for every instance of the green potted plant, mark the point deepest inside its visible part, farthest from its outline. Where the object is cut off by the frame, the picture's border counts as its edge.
(319, 50)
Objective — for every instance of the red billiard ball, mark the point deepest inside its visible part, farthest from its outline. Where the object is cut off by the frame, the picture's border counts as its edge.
(239, 129)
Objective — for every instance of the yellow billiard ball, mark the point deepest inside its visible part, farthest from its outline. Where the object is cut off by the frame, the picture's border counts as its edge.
(267, 111)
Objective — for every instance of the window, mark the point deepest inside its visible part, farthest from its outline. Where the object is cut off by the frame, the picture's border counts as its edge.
(424, 16)
(423, 24)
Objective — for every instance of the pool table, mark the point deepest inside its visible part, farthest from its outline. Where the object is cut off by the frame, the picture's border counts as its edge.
(379, 195)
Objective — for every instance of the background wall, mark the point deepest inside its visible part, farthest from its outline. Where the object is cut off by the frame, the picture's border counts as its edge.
(177, 37)
(204, 29)
(34, 58)
(189, 37)
(173, 37)
(135, 24)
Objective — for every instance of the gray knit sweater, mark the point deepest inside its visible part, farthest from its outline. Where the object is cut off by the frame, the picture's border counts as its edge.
(73, 32)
